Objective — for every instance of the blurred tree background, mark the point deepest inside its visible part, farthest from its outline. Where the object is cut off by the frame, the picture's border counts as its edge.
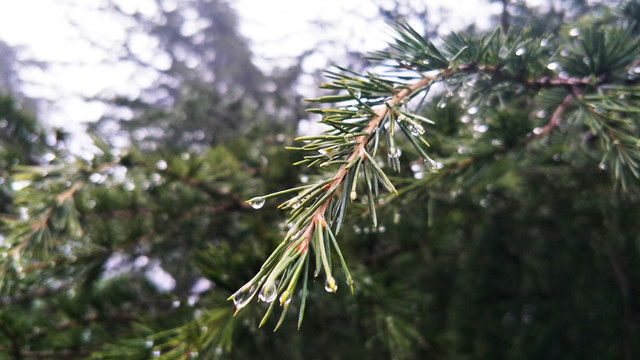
(522, 247)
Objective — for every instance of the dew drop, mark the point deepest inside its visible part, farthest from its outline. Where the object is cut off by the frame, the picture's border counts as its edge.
(256, 202)
(148, 344)
(295, 205)
(553, 66)
(416, 129)
(394, 152)
(353, 195)
(155, 353)
(521, 51)
(268, 292)
(544, 42)
(603, 166)
(193, 354)
(350, 138)
(574, 32)
(285, 298)
(243, 296)
(442, 105)
(330, 285)
(401, 118)
(161, 165)
(357, 94)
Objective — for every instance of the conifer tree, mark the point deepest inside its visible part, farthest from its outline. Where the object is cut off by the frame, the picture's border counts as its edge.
(474, 196)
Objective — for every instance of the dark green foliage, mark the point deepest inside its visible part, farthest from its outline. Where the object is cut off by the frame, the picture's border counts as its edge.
(507, 228)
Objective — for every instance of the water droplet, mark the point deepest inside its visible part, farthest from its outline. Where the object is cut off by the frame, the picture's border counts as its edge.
(193, 354)
(295, 205)
(603, 166)
(401, 118)
(394, 152)
(350, 138)
(322, 151)
(637, 70)
(544, 42)
(553, 66)
(155, 353)
(175, 304)
(442, 105)
(416, 129)
(461, 150)
(473, 110)
(353, 195)
(161, 165)
(268, 292)
(521, 51)
(574, 32)
(382, 229)
(330, 285)
(243, 296)
(148, 343)
(537, 131)
(256, 202)
(285, 298)
(564, 52)
(357, 94)
(481, 128)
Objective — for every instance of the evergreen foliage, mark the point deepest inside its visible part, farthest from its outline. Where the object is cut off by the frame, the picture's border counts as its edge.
(477, 194)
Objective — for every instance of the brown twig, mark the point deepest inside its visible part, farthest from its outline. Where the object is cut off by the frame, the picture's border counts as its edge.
(318, 216)
(557, 114)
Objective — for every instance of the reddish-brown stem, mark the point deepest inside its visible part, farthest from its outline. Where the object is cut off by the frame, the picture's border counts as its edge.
(359, 149)
(555, 117)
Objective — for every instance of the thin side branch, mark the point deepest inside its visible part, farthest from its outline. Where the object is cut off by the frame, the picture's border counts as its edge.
(359, 150)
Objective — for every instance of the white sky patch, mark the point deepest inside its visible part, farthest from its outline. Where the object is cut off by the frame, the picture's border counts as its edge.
(162, 280)
(56, 32)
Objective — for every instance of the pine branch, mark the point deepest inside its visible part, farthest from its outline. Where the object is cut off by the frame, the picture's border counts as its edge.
(317, 207)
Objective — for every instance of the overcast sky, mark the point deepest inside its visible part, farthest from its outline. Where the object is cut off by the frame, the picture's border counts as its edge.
(275, 28)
